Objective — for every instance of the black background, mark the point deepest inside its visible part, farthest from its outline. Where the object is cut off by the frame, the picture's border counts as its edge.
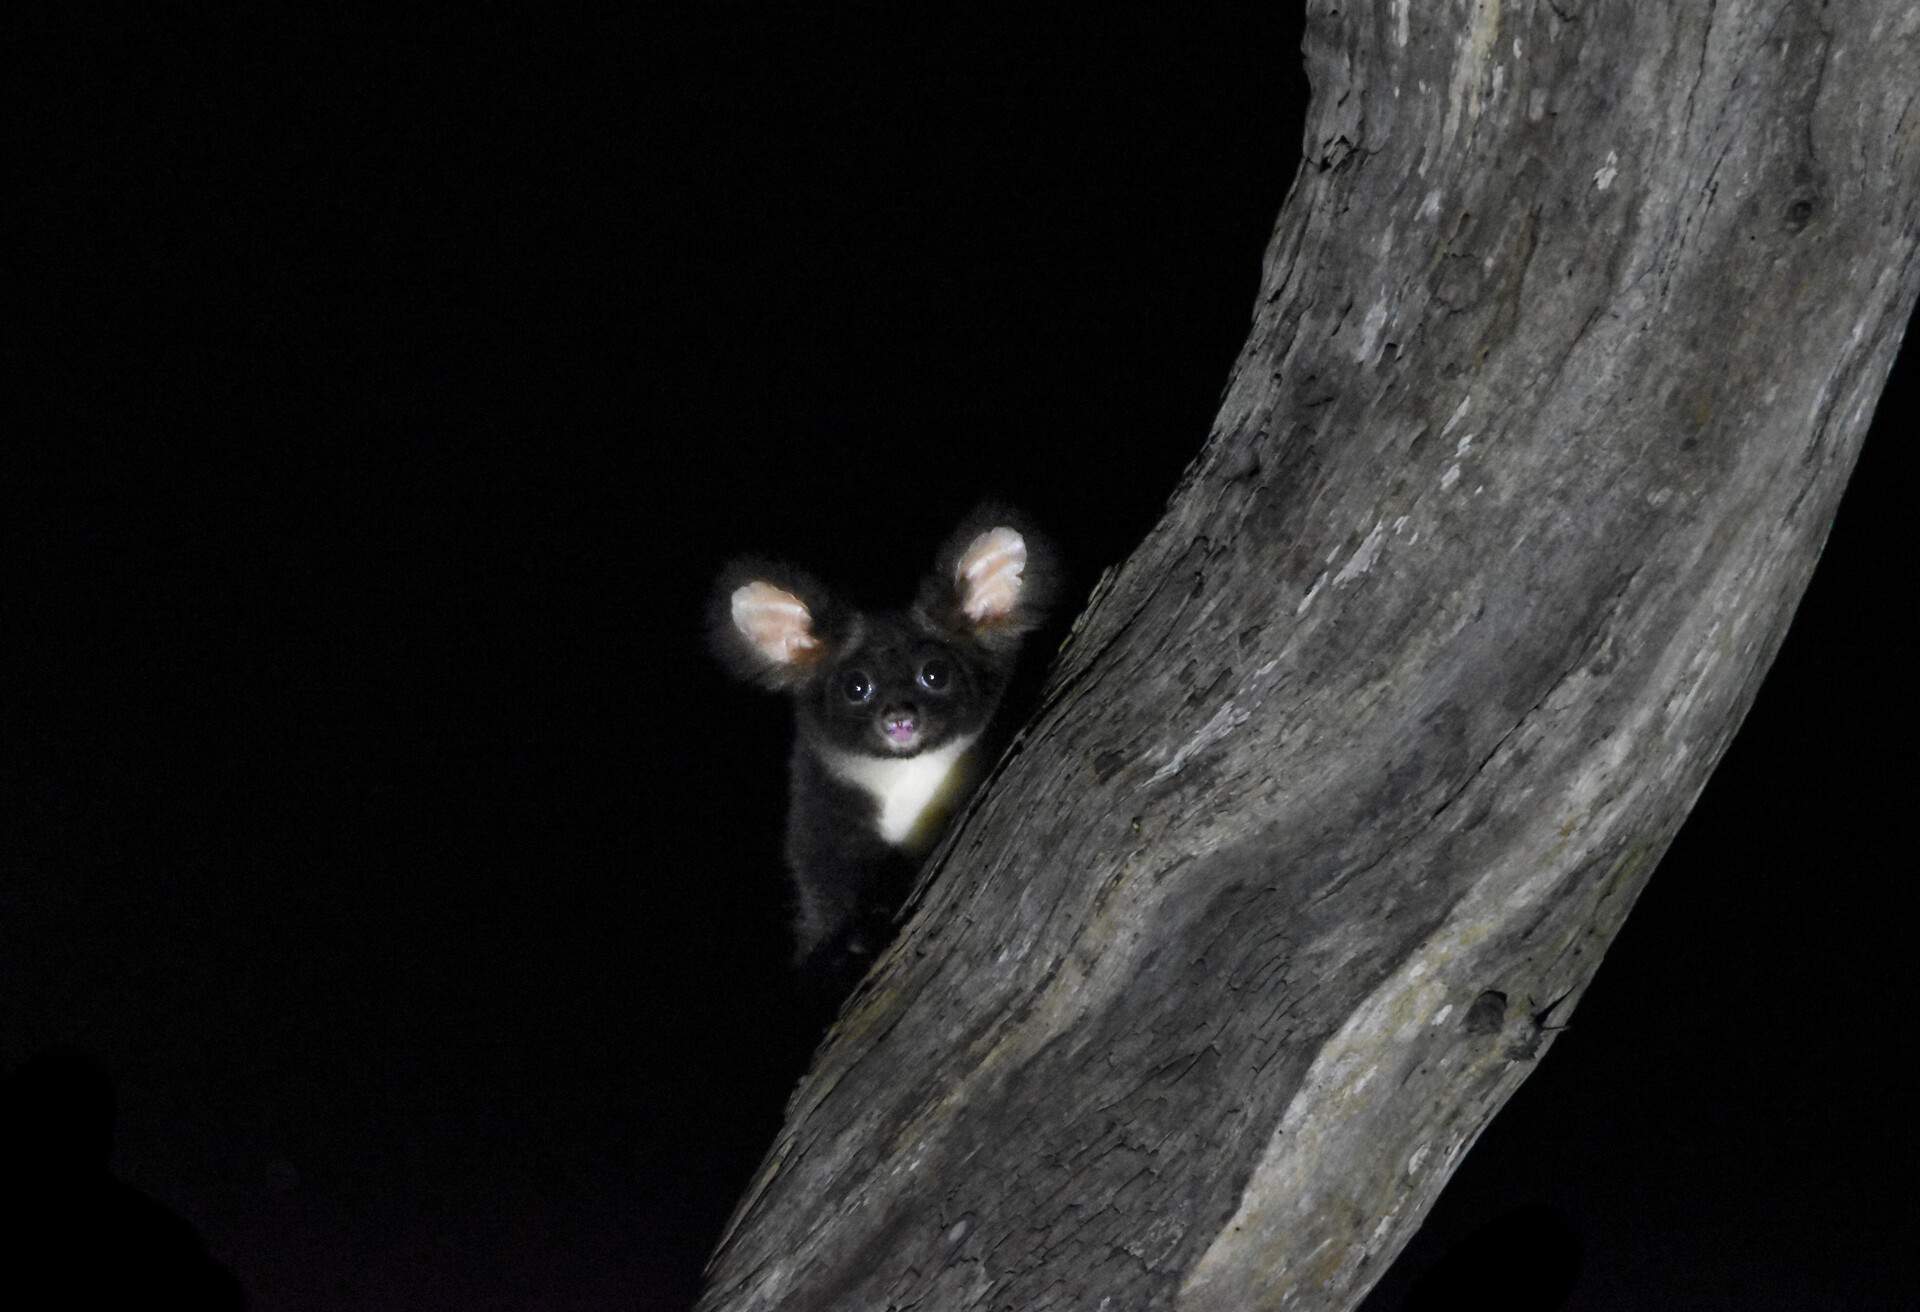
(373, 816)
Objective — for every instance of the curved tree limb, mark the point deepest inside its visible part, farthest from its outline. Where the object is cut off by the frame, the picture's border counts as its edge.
(1567, 338)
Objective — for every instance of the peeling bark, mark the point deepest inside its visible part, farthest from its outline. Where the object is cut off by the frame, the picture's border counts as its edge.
(1566, 341)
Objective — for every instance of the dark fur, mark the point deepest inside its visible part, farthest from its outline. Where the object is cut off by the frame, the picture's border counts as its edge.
(848, 881)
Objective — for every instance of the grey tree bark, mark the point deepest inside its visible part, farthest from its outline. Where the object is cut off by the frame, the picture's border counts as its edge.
(1566, 340)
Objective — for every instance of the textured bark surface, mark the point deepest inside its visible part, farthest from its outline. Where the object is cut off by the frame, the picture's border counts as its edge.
(1568, 335)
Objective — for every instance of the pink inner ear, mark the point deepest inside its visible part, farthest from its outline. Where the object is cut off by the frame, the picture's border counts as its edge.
(989, 574)
(775, 622)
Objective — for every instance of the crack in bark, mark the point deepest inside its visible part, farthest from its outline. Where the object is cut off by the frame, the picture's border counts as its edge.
(1594, 641)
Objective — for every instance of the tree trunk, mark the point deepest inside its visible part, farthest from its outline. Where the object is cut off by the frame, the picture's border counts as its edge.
(1566, 341)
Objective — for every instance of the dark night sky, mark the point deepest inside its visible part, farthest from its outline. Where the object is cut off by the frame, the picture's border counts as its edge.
(371, 812)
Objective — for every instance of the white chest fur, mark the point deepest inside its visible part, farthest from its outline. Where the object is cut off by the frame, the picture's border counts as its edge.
(913, 793)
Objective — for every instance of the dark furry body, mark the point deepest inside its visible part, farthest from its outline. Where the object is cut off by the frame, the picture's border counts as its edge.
(847, 880)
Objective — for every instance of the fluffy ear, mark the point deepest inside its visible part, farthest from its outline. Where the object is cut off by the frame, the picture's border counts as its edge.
(771, 624)
(993, 580)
